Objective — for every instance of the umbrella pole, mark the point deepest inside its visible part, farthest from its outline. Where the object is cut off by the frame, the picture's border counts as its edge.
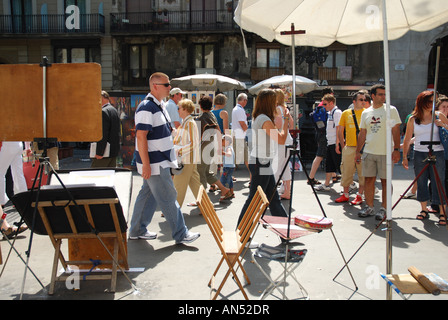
(293, 50)
(388, 152)
(293, 32)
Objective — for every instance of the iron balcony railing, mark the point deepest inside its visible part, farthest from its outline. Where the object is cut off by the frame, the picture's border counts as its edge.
(200, 20)
(51, 23)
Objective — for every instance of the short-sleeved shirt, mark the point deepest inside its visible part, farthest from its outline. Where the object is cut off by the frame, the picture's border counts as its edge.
(151, 116)
(348, 123)
(229, 161)
(374, 121)
(173, 112)
(262, 145)
(332, 122)
(238, 114)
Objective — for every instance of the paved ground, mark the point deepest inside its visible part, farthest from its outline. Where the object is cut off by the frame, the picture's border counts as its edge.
(181, 272)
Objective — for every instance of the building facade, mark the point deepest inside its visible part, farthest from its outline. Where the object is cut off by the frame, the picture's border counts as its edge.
(131, 39)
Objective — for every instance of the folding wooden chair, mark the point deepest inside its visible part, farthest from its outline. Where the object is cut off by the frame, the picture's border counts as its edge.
(95, 214)
(232, 243)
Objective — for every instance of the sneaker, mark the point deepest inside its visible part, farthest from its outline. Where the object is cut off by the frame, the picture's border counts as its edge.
(189, 237)
(343, 198)
(313, 181)
(147, 236)
(410, 195)
(380, 214)
(281, 188)
(366, 212)
(252, 245)
(357, 200)
(322, 187)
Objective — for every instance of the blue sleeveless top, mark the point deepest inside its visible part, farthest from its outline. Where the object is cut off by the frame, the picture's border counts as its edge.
(218, 117)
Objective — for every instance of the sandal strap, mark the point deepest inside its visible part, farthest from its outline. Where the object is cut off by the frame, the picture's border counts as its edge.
(423, 215)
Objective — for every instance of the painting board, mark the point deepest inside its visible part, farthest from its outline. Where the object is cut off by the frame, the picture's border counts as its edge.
(73, 102)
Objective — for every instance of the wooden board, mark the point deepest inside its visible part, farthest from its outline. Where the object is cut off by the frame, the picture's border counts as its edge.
(86, 249)
(73, 102)
(407, 284)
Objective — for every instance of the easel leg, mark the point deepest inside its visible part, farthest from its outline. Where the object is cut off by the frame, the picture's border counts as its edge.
(113, 285)
(57, 251)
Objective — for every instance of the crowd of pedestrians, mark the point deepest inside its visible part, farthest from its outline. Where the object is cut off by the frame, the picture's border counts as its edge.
(356, 145)
(177, 150)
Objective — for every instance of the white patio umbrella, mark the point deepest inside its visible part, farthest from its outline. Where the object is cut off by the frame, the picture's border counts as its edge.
(207, 82)
(349, 22)
(303, 85)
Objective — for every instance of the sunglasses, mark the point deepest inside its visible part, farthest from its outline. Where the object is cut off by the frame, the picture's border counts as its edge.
(362, 100)
(163, 84)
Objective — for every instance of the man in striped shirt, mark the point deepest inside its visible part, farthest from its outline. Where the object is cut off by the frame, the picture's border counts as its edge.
(155, 158)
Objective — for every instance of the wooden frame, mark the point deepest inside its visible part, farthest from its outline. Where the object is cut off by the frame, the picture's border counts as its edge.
(118, 237)
(73, 102)
(232, 243)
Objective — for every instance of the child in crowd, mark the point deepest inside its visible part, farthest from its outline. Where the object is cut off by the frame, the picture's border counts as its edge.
(228, 164)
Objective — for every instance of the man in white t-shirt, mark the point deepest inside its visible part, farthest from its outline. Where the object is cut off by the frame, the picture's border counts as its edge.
(372, 136)
(239, 128)
(333, 157)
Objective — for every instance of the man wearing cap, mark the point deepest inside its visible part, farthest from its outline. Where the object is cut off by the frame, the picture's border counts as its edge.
(171, 107)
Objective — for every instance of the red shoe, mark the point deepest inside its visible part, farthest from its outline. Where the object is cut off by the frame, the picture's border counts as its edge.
(342, 198)
(358, 200)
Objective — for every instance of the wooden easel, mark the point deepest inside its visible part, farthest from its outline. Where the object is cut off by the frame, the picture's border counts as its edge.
(116, 236)
(57, 102)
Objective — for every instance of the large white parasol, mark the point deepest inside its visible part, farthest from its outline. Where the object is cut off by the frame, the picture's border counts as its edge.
(303, 85)
(207, 82)
(349, 22)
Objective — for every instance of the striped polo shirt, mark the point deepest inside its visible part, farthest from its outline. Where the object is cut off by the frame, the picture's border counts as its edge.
(149, 117)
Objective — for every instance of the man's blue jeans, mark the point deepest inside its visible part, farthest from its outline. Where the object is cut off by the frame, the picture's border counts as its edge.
(158, 190)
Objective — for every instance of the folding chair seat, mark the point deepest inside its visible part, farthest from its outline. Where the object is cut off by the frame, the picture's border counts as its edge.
(95, 214)
(232, 243)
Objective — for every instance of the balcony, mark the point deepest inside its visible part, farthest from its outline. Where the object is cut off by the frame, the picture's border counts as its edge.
(38, 24)
(259, 74)
(173, 21)
(338, 75)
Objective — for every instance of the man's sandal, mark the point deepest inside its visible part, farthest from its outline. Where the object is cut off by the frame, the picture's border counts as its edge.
(423, 215)
(442, 220)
